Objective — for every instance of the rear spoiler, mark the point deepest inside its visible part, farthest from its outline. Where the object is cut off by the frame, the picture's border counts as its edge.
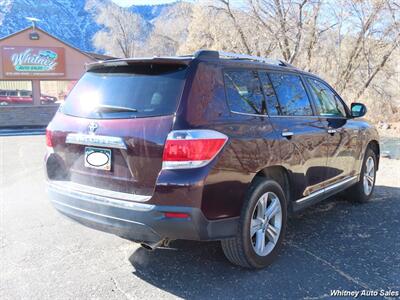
(145, 60)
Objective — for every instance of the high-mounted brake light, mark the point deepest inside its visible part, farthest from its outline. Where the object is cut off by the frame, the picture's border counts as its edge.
(49, 143)
(185, 149)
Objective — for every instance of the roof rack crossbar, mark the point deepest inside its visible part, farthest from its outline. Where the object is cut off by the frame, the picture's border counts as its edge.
(222, 54)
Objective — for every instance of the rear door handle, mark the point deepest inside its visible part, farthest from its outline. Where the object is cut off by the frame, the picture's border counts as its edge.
(287, 134)
(331, 131)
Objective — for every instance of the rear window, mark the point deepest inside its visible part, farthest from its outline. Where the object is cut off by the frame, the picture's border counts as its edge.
(132, 91)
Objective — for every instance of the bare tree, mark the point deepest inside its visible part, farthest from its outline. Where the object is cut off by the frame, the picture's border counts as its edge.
(352, 43)
(349, 42)
(123, 31)
(170, 29)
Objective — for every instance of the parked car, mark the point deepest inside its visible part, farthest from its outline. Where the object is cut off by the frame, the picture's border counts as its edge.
(8, 97)
(214, 146)
(47, 99)
(15, 97)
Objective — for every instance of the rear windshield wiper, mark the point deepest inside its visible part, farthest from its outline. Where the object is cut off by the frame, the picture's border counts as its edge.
(112, 108)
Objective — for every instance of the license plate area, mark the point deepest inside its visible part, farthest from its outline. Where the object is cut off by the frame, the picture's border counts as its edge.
(98, 158)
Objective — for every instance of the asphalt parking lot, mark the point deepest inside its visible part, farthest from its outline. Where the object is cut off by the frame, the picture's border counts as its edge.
(334, 245)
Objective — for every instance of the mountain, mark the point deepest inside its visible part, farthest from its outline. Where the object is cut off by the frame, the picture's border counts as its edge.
(149, 12)
(72, 21)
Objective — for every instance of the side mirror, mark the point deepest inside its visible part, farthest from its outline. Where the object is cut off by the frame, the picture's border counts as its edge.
(358, 110)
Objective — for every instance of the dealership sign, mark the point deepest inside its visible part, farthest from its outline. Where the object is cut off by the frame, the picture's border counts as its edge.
(33, 61)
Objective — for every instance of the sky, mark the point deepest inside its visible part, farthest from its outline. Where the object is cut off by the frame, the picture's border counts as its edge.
(141, 2)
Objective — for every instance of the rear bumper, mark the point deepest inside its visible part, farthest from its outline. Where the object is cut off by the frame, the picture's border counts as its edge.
(135, 221)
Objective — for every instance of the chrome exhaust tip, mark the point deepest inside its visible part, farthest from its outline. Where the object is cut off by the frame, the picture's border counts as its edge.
(152, 246)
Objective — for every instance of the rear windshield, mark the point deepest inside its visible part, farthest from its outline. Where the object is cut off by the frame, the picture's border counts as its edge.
(140, 90)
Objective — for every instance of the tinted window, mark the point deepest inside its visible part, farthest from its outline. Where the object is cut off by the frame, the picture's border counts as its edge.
(244, 92)
(151, 90)
(273, 107)
(291, 94)
(327, 102)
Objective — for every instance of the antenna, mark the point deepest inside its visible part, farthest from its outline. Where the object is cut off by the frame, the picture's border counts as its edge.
(33, 20)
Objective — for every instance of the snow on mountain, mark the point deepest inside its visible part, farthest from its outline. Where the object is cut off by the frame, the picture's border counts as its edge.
(149, 12)
(72, 21)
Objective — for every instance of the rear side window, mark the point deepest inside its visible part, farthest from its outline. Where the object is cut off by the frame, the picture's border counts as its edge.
(244, 92)
(291, 94)
(273, 107)
(140, 90)
(327, 101)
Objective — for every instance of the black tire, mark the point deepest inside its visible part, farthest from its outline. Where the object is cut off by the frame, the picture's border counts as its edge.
(357, 193)
(240, 250)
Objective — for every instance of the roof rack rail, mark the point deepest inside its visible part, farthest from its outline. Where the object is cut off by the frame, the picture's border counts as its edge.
(221, 54)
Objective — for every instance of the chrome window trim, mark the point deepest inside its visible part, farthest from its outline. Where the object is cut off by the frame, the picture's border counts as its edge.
(95, 140)
(327, 189)
(333, 117)
(248, 114)
(294, 116)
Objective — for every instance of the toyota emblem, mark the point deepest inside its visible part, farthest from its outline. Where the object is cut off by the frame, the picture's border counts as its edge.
(93, 127)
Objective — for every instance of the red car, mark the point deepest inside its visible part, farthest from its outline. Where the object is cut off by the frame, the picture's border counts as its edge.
(15, 97)
(8, 97)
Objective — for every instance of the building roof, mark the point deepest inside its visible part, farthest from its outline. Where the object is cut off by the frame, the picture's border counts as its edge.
(92, 55)
(98, 56)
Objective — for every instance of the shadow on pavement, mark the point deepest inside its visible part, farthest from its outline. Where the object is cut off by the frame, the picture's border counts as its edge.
(334, 245)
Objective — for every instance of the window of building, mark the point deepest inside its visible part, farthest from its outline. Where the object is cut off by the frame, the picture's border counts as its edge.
(273, 107)
(291, 94)
(244, 92)
(327, 101)
(54, 91)
(15, 92)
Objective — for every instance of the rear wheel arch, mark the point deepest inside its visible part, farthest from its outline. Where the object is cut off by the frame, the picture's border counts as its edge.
(241, 249)
(282, 176)
(374, 146)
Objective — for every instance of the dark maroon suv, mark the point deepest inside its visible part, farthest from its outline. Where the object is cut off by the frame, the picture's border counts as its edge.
(214, 146)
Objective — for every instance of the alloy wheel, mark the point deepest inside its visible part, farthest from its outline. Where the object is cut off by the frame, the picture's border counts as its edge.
(369, 176)
(266, 224)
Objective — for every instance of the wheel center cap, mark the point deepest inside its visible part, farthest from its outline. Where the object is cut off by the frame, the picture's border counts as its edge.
(264, 225)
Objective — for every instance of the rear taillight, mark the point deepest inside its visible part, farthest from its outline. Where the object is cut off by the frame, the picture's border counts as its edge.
(192, 148)
(49, 143)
